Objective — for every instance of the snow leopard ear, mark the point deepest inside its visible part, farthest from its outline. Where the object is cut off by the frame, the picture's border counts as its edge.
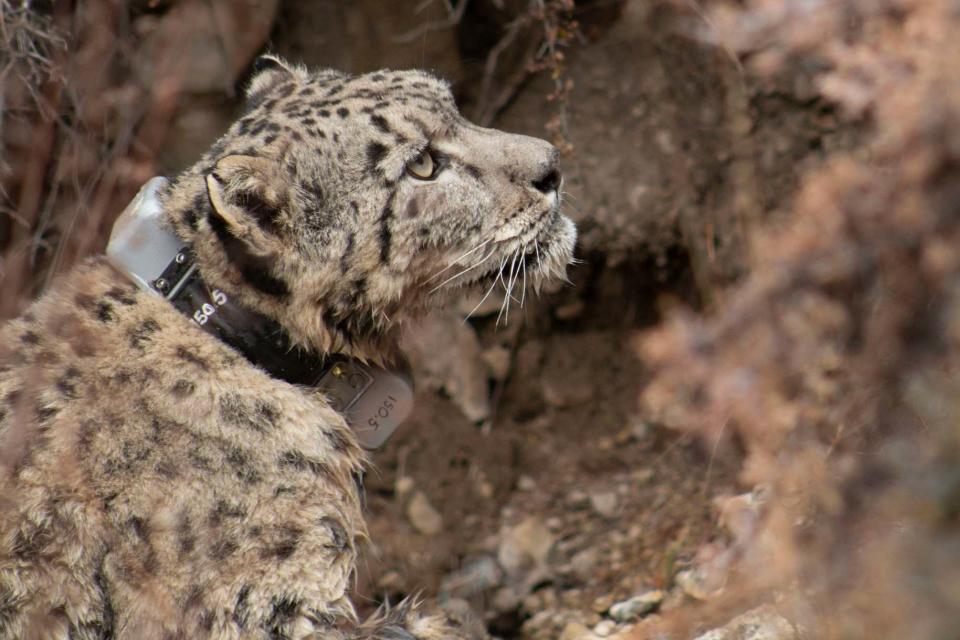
(249, 195)
(247, 211)
(269, 72)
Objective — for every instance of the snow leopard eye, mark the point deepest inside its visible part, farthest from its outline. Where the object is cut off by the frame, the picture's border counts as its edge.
(424, 166)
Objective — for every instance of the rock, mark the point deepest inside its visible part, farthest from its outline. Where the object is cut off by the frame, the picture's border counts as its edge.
(446, 354)
(602, 603)
(562, 391)
(524, 546)
(674, 599)
(576, 631)
(709, 575)
(391, 581)
(741, 515)
(505, 600)
(533, 603)
(526, 483)
(591, 619)
(549, 598)
(529, 359)
(221, 39)
(571, 598)
(193, 130)
(639, 428)
(604, 503)
(497, 358)
(650, 628)
(637, 606)
(583, 563)
(577, 498)
(569, 311)
(363, 35)
(643, 475)
(462, 616)
(536, 625)
(485, 489)
(762, 623)
(423, 516)
(604, 628)
(541, 600)
(691, 584)
(475, 577)
(403, 486)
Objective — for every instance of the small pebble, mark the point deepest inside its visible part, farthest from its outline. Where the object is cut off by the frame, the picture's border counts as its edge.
(577, 498)
(403, 486)
(423, 516)
(391, 580)
(637, 606)
(526, 545)
(642, 476)
(505, 600)
(576, 631)
(526, 483)
(604, 628)
(602, 603)
(694, 584)
(570, 311)
(473, 578)
(497, 358)
(762, 623)
(549, 598)
(640, 429)
(604, 503)
(582, 564)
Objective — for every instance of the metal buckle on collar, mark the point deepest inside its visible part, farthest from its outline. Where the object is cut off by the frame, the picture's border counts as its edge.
(373, 400)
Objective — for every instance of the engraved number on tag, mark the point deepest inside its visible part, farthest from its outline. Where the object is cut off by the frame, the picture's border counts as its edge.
(202, 315)
(383, 412)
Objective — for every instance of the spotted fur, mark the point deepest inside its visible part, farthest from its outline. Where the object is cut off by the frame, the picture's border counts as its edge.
(155, 484)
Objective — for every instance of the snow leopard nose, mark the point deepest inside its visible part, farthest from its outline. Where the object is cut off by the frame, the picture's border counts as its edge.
(550, 178)
(549, 182)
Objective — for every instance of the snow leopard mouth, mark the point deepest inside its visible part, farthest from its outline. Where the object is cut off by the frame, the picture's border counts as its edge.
(538, 254)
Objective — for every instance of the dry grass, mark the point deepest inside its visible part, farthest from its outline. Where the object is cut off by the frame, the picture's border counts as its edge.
(79, 134)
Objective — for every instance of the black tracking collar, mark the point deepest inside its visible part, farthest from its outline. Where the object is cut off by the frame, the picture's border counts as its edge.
(374, 401)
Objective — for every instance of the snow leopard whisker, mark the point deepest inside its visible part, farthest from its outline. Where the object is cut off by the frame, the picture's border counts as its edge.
(455, 262)
(507, 285)
(493, 286)
(523, 289)
(514, 274)
(465, 270)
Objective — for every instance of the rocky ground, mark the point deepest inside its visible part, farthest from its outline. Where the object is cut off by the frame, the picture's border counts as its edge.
(530, 484)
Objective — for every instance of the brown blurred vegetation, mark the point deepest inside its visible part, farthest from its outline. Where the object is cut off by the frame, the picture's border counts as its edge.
(833, 367)
(796, 163)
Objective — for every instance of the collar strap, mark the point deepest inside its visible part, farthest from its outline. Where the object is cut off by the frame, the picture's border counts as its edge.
(373, 400)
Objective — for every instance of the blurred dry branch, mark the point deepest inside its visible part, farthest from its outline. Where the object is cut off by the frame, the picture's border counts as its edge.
(89, 93)
(835, 364)
(532, 42)
(28, 42)
(454, 16)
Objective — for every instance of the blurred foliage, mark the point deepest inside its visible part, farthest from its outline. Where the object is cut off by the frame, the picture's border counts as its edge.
(834, 366)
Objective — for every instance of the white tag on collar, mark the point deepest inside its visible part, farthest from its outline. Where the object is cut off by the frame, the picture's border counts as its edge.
(373, 400)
